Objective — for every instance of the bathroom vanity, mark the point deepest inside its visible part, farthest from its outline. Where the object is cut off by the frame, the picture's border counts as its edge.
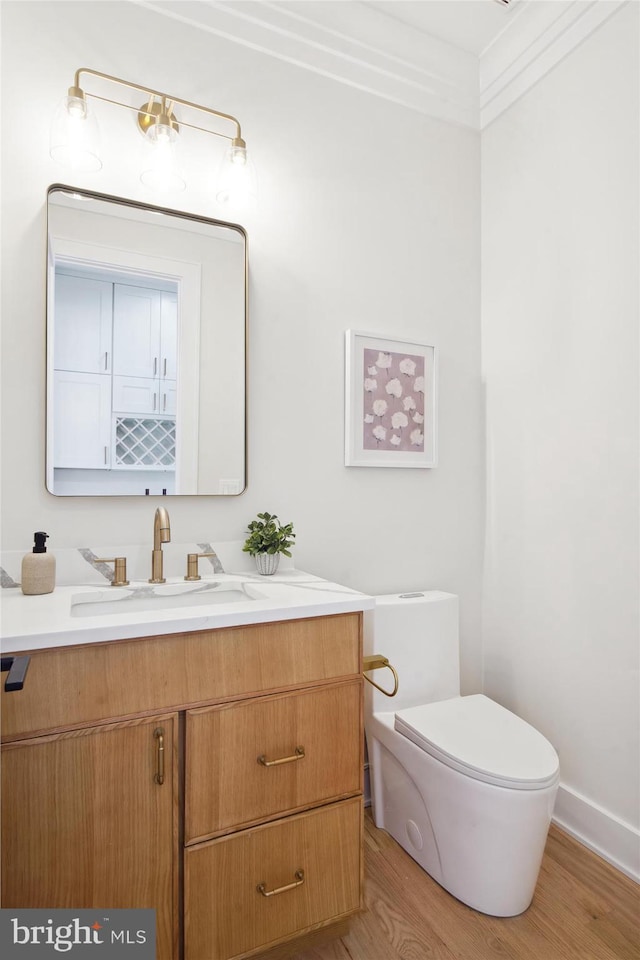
(206, 762)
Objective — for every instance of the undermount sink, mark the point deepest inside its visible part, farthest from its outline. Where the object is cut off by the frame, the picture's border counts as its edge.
(150, 597)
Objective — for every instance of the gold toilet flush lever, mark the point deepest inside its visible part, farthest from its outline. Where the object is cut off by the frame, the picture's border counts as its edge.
(377, 662)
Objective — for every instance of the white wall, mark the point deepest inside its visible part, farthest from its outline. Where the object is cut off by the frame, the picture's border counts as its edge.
(369, 219)
(560, 264)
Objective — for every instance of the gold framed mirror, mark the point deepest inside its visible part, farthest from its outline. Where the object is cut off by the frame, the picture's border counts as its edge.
(146, 349)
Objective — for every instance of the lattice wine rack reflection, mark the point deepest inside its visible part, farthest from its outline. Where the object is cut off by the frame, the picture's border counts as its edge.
(144, 442)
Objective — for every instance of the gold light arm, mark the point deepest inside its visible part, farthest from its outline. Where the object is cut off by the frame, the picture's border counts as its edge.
(78, 91)
(377, 662)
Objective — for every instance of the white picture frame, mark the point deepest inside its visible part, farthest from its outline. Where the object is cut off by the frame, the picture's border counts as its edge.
(390, 401)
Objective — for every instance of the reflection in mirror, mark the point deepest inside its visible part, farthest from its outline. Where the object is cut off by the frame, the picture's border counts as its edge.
(146, 349)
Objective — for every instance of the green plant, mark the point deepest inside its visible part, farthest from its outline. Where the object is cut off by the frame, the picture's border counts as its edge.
(268, 535)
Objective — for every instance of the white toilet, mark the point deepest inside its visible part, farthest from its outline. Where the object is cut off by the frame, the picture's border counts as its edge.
(464, 785)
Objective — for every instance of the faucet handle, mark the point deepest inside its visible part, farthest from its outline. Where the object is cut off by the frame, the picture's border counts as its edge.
(192, 565)
(120, 570)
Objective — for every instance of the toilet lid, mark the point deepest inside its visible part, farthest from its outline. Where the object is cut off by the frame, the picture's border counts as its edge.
(483, 740)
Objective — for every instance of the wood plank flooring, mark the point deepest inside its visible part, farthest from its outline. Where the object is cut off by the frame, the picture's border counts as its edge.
(583, 909)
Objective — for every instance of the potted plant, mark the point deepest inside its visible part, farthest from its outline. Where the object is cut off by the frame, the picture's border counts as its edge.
(267, 539)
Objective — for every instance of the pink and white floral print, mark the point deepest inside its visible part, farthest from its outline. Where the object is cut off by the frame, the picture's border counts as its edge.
(393, 401)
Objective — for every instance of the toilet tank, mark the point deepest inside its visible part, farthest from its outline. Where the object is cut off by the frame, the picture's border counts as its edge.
(418, 632)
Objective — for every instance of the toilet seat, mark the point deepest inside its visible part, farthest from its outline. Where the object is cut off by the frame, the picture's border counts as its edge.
(483, 740)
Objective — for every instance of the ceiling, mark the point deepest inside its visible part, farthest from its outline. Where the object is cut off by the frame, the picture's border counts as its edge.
(462, 61)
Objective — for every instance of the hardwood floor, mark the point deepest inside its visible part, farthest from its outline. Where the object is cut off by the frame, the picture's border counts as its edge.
(583, 909)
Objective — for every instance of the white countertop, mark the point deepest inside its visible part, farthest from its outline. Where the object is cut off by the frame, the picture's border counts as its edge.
(40, 622)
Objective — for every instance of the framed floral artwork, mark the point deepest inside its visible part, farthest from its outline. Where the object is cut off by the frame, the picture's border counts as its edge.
(390, 402)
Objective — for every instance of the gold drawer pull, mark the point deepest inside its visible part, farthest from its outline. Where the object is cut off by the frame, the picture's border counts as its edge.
(299, 875)
(298, 755)
(159, 735)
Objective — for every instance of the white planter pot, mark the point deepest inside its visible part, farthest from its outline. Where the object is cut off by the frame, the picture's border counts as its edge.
(267, 563)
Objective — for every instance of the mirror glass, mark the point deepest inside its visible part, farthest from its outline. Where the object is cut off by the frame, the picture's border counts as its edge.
(146, 349)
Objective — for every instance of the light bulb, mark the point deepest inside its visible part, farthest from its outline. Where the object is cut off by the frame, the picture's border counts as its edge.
(161, 133)
(238, 155)
(76, 107)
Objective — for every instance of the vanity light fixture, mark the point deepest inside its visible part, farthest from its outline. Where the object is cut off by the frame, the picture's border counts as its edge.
(75, 138)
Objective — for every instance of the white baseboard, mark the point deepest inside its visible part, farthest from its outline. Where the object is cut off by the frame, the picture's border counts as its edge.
(599, 830)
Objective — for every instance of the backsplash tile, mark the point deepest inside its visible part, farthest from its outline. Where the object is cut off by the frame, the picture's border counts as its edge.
(74, 566)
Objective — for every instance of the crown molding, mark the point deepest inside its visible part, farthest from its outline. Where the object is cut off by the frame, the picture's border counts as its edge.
(356, 44)
(539, 36)
(351, 43)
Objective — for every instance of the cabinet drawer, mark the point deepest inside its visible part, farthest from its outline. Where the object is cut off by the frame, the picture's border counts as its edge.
(228, 786)
(227, 916)
(73, 686)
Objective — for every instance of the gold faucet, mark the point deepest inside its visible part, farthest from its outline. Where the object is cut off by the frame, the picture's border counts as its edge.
(161, 534)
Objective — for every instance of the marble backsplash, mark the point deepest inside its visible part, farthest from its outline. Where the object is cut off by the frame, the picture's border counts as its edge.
(75, 566)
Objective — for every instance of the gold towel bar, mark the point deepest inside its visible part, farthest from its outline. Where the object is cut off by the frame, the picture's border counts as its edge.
(376, 662)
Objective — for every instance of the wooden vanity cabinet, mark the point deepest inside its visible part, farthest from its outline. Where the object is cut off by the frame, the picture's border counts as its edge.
(262, 751)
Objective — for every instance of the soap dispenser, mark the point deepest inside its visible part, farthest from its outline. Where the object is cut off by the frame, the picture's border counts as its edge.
(38, 568)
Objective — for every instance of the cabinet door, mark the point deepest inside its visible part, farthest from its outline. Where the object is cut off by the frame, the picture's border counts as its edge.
(82, 420)
(256, 888)
(85, 822)
(83, 311)
(168, 397)
(169, 337)
(136, 331)
(140, 395)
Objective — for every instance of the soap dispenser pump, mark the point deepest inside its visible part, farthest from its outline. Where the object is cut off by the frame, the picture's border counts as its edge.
(38, 568)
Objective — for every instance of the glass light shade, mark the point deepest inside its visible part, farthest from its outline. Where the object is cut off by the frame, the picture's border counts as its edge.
(75, 137)
(237, 183)
(161, 173)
